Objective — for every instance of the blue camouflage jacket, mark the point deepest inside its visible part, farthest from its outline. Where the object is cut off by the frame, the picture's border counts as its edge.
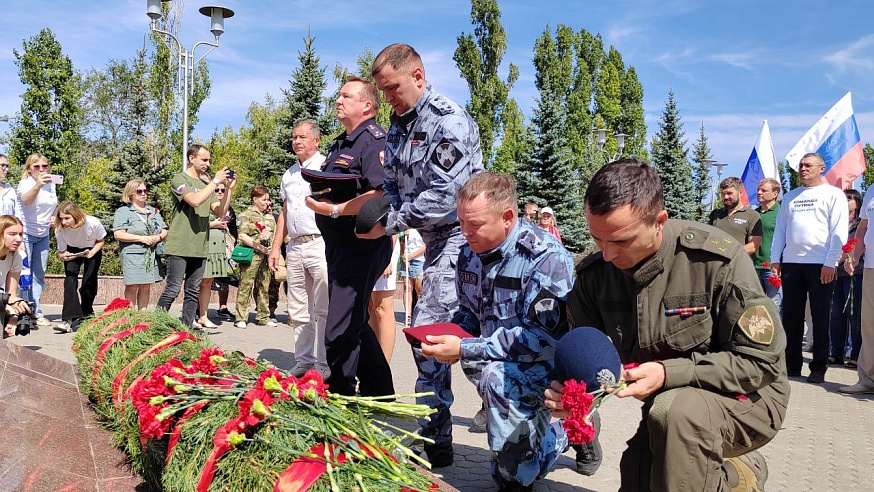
(430, 152)
(513, 298)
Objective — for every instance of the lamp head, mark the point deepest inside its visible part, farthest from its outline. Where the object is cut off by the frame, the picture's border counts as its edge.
(217, 16)
(601, 134)
(620, 140)
(153, 8)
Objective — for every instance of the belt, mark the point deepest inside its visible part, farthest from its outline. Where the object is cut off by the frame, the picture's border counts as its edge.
(306, 238)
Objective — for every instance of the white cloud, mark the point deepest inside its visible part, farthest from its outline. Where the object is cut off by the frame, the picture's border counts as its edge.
(858, 54)
(739, 60)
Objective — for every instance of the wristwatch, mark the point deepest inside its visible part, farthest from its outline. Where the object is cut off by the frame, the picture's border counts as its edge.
(215, 181)
(335, 211)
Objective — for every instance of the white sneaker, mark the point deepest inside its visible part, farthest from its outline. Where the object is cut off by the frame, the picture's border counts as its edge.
(240, 324)
(270, 323)
(63, 327)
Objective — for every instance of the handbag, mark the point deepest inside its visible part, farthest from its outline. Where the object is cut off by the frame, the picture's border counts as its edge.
(242, 254)
(282, 270)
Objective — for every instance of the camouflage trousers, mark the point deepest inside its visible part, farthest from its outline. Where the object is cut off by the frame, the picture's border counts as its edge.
(254, 275)
(524, 445)
(438, 303)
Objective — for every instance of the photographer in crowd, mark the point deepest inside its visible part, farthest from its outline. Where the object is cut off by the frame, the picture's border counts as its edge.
(11, 232)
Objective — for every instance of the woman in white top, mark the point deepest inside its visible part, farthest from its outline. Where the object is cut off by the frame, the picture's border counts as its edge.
(37, 201)
(381, 306)
(80, 240)
(11, 232)
(7, 191)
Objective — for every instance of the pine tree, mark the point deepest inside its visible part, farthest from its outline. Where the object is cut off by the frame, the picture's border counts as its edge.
(868, 175)
(478, 57)
(671, 162)
(701, 177)
(50, 120)
(553, 166)
(516, 146)
(302, 100)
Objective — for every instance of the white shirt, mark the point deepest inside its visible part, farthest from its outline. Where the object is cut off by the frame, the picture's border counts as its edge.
(299, 219)
(8, 199)
(414, 242)
(867, 213)
(812, 226)
(81, 237)
(37, 215)
(12, 263)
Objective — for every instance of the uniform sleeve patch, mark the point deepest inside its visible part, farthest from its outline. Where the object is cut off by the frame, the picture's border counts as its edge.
(757, 325)
(446, 154)
(549, 312)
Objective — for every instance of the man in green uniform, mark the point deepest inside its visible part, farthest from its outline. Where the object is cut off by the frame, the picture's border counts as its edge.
(767, 193)
(682, 300)
(186, 245)
(736, 219)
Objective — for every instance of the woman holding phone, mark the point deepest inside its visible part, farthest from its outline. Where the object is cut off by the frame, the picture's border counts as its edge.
(37, 200)
(80, 241)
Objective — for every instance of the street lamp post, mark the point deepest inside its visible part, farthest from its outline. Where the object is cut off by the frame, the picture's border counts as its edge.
(600, 135)
(185, 58)
(718, 166)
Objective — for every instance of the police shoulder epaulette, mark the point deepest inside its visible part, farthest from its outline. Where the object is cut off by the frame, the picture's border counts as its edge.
(587, 258)
(526, 242)
(442, 106)
(712, 240)
(376, 131)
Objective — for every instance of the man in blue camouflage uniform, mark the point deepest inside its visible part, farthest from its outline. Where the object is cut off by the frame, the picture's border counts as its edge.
(513, 280)
(432, 148)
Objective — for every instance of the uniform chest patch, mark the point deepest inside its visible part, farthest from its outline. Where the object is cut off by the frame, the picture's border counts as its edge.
(446, 155)
(394, 138)
(467, 277)
(757, 325)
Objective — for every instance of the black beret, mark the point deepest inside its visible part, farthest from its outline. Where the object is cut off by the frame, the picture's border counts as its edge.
(586, 354)
(336, 187)
(373, 211)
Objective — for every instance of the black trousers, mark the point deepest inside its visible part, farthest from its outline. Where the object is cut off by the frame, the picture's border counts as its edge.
(800, 284)
(353, 268)
(78, 305)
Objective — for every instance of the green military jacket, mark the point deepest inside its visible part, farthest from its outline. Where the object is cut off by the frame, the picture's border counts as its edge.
(732, 343)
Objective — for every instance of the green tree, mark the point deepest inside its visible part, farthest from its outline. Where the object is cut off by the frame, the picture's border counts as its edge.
(478, 57)
(671, 162)
(515, 147)
(557, 182)
(632, 120)
(302, 100)
(51, 117)
(363, 63)
(868, 175)
(701, 177)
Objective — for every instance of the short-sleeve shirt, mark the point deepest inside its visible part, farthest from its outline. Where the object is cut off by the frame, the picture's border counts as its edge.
(81, 237)
(12, 263)
(38, 215)
(359, 152)
(132, 220)
(769, 221)
(189, 226)
(739, 225)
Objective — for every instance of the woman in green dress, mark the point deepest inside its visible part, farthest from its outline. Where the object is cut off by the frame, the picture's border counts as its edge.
(216, 262)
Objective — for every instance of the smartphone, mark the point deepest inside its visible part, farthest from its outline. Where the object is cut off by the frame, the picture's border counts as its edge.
(226, 218)
(232, 174)
(56, 179)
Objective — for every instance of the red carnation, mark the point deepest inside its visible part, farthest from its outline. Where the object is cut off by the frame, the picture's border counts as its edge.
(116, 304)
(775, 281)
(765, 264)
(848, 248)
(269, 380)
(853, 241)
(311, 386)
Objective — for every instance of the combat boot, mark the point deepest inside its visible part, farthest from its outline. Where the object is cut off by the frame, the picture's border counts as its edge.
(589, 455)
(746, 473)
(513, 486)
(478, 423)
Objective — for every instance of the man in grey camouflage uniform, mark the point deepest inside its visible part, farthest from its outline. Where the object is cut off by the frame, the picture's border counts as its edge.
(432, 148)
(513, 280)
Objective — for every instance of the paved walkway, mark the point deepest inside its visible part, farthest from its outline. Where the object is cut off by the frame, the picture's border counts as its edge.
(827, 442)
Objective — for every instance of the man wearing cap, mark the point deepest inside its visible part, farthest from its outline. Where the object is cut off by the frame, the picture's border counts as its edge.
(353, 263)
(683, 301)
(513, 279)
(307, 269)
(432, 149)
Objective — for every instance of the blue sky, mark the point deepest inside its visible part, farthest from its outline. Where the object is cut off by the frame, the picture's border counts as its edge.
(731, 64)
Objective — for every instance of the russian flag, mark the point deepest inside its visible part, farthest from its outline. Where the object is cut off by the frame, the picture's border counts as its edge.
(761, 164)
(836, 137)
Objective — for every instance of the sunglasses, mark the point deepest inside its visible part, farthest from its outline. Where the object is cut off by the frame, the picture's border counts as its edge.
(142, 192)
(43, 166)
(219, 190)
(4, 166)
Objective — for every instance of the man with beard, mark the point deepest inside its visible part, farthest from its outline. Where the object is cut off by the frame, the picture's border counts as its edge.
(737, 220)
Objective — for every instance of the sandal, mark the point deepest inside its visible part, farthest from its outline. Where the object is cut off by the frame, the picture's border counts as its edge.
(207, 323)
(850, 363)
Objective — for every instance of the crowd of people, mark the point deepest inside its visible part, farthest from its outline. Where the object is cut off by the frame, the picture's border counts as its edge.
(709, 318)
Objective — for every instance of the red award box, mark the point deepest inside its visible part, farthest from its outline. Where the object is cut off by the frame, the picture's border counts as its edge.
(416, 334)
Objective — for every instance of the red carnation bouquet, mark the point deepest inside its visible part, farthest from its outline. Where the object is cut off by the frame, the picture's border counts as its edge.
(848, 250)
(583, 406)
